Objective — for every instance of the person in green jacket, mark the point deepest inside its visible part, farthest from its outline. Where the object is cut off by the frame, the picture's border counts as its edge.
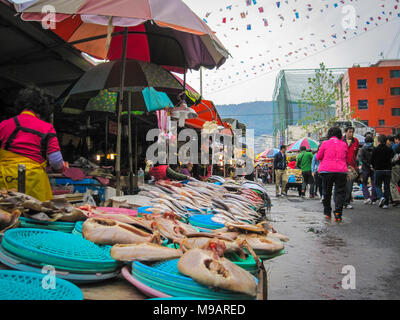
(304, 161)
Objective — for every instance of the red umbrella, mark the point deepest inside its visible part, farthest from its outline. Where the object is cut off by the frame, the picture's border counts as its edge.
(163, 32)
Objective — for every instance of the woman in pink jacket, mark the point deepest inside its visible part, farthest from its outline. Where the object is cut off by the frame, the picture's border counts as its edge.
(333, 170)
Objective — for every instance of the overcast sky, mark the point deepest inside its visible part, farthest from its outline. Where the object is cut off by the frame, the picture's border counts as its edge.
(300, 34)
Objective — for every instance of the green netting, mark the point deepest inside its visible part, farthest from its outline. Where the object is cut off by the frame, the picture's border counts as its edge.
(288, 91)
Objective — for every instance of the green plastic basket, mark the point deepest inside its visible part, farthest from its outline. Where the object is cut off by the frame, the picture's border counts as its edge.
(65, 250)
(249, 264)
(18, 285)
(57, 226)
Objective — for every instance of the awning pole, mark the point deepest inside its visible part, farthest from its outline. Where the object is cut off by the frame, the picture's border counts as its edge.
(120, 104)
(130, 143)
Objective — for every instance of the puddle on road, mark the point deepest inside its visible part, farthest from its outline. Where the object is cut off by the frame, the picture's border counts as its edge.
(332, 241)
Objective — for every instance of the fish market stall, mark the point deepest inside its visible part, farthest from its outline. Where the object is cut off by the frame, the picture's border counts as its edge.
(169, 237)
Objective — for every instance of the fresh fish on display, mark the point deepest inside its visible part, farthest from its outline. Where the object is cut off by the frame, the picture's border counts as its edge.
(143, 252)
(261, 244)
(9, 220)
(207, 268)
(110, 232)
(171, 228)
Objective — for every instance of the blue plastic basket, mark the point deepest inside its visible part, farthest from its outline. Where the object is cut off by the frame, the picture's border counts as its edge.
(205, 221)
(19, 264)
(57, 225)
(78, 228)
(58, 248)
(165, 277)
(18, 285)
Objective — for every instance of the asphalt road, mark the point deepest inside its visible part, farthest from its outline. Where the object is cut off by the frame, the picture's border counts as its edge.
(368, 239)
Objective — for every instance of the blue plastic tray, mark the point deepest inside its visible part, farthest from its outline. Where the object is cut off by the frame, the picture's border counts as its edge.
(18, 285)
(57, 225)
(204, 221)
(18, 264)
(165, 277)
(58, 248)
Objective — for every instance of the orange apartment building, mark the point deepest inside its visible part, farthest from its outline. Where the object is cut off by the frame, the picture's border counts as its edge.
(373, 94)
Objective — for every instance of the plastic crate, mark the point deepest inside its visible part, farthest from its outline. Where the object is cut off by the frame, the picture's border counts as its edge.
(82, 186)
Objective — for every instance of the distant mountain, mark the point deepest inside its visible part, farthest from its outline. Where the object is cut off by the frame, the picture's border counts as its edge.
(256, 115)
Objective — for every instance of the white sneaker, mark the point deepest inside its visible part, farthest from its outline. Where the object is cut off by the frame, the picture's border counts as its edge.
(385, 206)
(349, 206)
(368, 201)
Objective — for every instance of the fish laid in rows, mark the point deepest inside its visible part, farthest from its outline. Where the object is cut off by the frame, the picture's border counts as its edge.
(170, 227)
(210, 269)
(110, 232)
(9, 220)
(201, 239)
(143, 252)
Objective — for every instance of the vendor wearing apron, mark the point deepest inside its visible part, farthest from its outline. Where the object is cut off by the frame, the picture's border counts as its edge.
(28, 140)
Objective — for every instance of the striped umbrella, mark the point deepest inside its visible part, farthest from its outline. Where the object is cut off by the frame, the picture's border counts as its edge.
(269, 153)
(167, 33)
(310, 144)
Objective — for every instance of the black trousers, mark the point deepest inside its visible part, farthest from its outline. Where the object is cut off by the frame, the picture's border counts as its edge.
(308, 179)
(339, 180)
(318, 187)
(383, 177)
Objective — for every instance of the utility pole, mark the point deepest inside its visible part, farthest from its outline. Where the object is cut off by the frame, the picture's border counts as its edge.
(201, 81)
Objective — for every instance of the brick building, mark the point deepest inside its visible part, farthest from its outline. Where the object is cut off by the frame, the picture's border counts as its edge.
(373, 94)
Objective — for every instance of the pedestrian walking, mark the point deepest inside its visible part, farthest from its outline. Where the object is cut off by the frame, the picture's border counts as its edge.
(318, 185)
(367, 171)
(381, 161)
(280, 165)
(333, 170)
(394, 181)
(304, 162)
(352, 150)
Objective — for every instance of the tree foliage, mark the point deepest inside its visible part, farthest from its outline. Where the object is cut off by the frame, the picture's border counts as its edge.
(319, 101)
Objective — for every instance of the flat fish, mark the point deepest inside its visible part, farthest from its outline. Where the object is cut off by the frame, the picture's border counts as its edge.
(143, 252)
(203, 267)
(110, 232)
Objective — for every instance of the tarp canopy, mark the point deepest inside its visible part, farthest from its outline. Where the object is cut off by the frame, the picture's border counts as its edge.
(206, 112)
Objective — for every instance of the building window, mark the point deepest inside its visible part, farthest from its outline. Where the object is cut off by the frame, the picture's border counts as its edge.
(362, 104)
(381, 102)
(365, 122)
(362, 84)
(395, 91)
(379, 80)
(395, 111)
(395, 73)
(381, 122)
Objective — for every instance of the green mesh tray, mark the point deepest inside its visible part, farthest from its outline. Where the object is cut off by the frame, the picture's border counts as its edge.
(18, 285)
(58, 248)
(271, 256)
(57, 226)
(249, 264)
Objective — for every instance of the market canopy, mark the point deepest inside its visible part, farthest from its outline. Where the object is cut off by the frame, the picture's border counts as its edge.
(168, 34)
(206, 112)
(269, 153)
(28, 51)
(310, 144)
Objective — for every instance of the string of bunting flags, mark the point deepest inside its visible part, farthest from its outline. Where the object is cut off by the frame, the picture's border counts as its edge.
(256, 29)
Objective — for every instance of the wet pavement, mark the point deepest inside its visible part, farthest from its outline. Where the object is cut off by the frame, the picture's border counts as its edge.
(368, 239)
